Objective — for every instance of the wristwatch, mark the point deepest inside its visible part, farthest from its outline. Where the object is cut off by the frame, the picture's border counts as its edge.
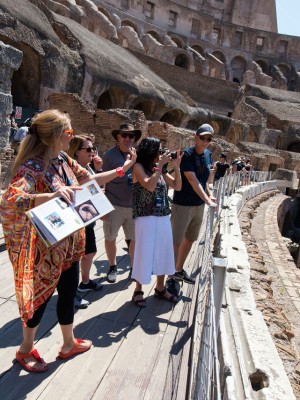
(120, 171)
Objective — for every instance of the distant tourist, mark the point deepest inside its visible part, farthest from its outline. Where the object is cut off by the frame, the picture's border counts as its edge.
(221, 168)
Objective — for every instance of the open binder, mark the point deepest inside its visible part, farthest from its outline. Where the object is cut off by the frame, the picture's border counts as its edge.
(55, 219)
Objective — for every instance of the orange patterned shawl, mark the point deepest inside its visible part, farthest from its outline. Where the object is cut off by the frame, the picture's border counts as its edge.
(37, 268)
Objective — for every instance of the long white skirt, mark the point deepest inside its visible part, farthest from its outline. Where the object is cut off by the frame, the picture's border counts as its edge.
(153, 254)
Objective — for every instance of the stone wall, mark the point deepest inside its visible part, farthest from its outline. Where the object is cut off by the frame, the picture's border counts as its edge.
(10, 60)
(214, 94)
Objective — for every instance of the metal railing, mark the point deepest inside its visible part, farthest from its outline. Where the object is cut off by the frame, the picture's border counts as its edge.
(205, 369)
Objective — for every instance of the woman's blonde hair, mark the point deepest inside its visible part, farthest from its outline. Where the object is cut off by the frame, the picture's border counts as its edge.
(76, 144)
(44, 135)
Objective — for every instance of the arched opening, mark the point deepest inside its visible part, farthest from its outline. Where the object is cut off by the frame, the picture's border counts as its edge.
(218, 127)
(178, 41)
(114, 97)
(182, 61)
(193, 125)
(234, 134)
(172, 117)
(238, 66)
(251, 137)
(25, 88)
(263, 65)
(286, 70)
(146, 106)
(295, 147)
(220, 56)
(104, 101)
(199, 49)
(126, 22)
(155, 35)
(106, 13)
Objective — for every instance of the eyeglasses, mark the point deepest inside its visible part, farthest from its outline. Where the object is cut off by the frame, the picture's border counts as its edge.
(89, 149)
(69, 132)
(124, 135)
(206, 139)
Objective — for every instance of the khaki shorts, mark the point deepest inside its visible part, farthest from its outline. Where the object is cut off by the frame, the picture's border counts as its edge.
(120, 216)
(186, 222)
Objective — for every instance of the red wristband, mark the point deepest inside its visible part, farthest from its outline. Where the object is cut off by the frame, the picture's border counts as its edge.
(120, 171)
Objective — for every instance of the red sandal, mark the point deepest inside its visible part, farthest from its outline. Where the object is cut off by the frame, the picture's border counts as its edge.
(32, 354)
(76, 349)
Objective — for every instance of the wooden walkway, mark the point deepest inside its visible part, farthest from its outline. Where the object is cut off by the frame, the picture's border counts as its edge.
(137, 353)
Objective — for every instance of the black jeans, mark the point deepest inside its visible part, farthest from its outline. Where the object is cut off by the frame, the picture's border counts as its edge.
(66, 289)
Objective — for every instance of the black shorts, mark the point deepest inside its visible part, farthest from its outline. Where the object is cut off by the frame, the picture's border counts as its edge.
(90, 239)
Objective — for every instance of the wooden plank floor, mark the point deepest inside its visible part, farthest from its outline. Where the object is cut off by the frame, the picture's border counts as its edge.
(136, 354)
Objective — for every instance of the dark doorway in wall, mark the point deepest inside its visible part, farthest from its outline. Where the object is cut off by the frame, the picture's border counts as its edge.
(182, 61)
(172, 117)
(295, 147)
(104, 102)
(25, 83)
(273, 167)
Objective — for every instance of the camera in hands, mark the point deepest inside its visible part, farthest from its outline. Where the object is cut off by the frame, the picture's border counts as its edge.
(173, 154)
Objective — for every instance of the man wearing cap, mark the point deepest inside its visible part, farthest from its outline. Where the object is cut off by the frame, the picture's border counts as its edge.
(119, 193)
(221, 168)
(188, 204)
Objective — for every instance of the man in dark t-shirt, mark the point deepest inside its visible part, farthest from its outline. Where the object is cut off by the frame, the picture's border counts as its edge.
(188, 204)
(221, 168)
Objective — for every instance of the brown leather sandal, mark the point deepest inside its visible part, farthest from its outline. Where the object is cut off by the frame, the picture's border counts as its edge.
(141, 302)
(162, 294)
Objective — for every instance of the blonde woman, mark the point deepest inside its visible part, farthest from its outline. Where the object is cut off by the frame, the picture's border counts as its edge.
(42, 172)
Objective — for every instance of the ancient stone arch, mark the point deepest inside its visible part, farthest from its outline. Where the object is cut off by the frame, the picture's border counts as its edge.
(238, 66)
(147, 106)
(106, 13)
(173, 117)
(192, 125)
(263, 65)
(251, 137)
(199, 49)
(114, 97)
(286, 70)
(25, 87)
(234, 134)
(218, 127)
(182, 61)
(295, 147)
(180, 43)
(155, 35)
(127, 22)
(220, 56)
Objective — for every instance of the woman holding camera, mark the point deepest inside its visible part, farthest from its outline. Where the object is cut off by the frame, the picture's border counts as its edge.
(154, 243)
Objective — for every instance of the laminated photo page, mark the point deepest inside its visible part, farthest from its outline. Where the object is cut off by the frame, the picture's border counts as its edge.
(55, 219)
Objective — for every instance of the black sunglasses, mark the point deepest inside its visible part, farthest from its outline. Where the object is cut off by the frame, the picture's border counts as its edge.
(124, 135)
(89, 149)
(206, 139)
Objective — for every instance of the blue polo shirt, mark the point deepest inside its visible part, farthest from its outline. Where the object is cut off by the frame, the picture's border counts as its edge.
(200, 164)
